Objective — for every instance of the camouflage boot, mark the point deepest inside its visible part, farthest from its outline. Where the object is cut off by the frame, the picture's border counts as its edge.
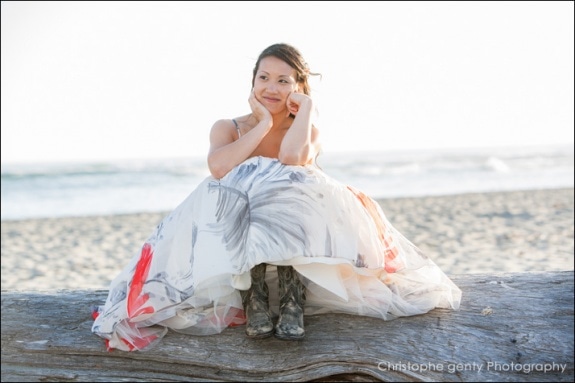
(256, 305)
(292, 298)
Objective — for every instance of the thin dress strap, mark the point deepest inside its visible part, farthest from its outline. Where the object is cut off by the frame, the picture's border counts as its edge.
(237, 128)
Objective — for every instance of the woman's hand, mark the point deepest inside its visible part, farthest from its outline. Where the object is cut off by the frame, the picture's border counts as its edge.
(260, 112)
(295, 101)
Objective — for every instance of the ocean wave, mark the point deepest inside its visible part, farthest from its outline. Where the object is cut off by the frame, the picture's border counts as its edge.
(74, 189)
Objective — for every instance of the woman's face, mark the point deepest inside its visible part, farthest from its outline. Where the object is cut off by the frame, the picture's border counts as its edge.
(273, 83)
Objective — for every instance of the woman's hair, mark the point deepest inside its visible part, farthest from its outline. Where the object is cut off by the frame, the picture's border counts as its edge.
(293, 58)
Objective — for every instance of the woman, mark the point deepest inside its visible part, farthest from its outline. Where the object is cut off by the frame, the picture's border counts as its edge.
(269, 233)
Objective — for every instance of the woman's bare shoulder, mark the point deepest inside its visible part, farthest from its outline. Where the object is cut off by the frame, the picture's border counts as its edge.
(229, 122)
(223, 123)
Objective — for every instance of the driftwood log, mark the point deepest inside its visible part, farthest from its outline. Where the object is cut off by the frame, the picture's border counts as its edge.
(511, 327)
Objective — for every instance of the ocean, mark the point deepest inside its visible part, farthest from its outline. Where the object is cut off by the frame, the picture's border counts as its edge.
(43, 190)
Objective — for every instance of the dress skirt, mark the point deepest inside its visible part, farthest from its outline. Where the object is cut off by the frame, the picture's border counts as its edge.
(188, 273)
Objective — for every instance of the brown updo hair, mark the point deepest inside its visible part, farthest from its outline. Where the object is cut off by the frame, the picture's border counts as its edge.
(293, 58)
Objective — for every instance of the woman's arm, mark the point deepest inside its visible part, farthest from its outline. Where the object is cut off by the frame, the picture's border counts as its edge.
(225, 153)
(300, 144)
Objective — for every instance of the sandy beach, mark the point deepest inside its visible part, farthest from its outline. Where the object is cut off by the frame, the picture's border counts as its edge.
(518, 231)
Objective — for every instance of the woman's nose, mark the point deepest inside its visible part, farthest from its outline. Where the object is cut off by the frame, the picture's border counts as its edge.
(272, 88)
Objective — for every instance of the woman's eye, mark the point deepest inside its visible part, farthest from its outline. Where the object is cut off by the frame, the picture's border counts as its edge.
(262, 77)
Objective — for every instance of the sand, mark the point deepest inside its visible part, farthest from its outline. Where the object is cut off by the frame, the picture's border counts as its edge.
(519, 231)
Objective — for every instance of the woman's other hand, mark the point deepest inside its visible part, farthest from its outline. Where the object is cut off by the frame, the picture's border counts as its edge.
(259, 111)
(295, 101)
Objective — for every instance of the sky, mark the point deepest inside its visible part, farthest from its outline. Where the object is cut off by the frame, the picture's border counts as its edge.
(96, 81)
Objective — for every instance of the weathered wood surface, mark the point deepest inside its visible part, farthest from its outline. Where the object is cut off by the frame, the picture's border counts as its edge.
(507, 323)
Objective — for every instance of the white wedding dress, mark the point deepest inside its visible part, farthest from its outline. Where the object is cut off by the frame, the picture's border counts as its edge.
(349, 257)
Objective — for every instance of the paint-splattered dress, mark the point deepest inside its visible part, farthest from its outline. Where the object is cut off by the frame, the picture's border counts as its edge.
(187, 275)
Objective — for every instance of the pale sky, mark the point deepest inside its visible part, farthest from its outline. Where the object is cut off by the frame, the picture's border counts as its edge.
(109, 80)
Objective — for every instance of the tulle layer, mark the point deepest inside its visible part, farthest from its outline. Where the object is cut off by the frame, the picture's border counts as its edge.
(188, 273)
